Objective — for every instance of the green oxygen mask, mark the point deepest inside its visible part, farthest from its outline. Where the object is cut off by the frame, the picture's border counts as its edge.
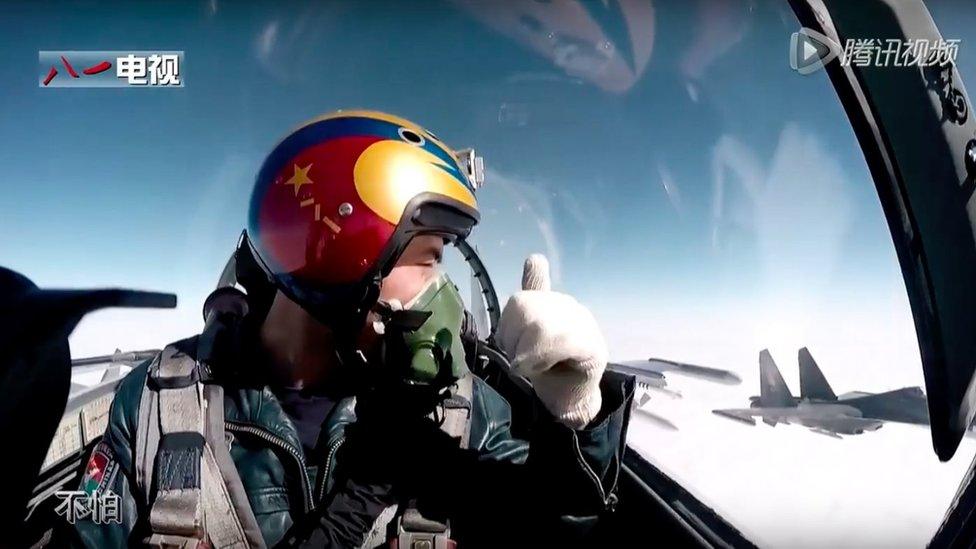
(422, 340)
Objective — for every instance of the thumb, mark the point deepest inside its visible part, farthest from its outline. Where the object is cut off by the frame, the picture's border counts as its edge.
(535, 273)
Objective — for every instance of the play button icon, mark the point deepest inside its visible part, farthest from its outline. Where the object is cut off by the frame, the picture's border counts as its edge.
(811, 50)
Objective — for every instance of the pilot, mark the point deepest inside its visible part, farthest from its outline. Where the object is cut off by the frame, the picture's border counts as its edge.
(336, 396)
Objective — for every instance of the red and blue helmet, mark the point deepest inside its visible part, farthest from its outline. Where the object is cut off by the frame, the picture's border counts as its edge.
(339, 198)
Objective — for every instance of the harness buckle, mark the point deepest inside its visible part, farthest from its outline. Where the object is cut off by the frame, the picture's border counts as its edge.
(417, 532)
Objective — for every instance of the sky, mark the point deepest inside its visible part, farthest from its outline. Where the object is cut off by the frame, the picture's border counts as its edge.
(700, 197)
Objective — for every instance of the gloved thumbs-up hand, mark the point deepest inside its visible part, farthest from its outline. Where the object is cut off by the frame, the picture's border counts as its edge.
(554, 342)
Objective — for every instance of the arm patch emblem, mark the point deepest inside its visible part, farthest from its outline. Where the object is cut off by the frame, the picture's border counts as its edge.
(100, 471)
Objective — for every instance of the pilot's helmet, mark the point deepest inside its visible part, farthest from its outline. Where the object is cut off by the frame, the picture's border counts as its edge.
(338, 199)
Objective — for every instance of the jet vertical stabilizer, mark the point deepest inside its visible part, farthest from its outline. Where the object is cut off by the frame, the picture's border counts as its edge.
(813, 384)
(773, 391)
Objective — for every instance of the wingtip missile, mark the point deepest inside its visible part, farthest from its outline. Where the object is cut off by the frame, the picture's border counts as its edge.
(661, 365)
(736, 415)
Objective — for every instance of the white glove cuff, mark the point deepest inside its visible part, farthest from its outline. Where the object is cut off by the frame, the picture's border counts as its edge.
(571, 392)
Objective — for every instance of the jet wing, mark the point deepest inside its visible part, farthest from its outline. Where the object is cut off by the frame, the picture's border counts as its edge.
(841, 425)
(650, 378)
(661, 366)
(647, 380)
(85, 417)
(819, 420)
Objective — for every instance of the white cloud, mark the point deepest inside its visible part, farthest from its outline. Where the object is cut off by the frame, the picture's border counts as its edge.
(264, 45)
(802, 214)
(786, 486)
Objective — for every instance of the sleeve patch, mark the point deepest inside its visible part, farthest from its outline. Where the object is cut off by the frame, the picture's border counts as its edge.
(100, 470)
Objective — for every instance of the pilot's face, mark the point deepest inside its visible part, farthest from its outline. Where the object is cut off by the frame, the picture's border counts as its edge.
(418, 264)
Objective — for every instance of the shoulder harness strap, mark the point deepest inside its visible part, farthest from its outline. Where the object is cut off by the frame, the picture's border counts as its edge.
(182, 458)
(456, 410)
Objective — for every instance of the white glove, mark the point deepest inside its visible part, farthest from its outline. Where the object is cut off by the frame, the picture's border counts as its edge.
(556, 344)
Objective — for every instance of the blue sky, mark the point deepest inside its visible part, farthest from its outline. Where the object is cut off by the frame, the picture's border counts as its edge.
(156, 178)
(714, 204)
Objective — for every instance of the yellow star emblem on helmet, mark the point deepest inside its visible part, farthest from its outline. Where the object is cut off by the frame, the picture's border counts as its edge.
(299, 178)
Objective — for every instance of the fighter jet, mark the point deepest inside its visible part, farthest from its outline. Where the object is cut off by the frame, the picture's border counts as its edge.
(818, 408)
(650, 377)
(905, 405)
